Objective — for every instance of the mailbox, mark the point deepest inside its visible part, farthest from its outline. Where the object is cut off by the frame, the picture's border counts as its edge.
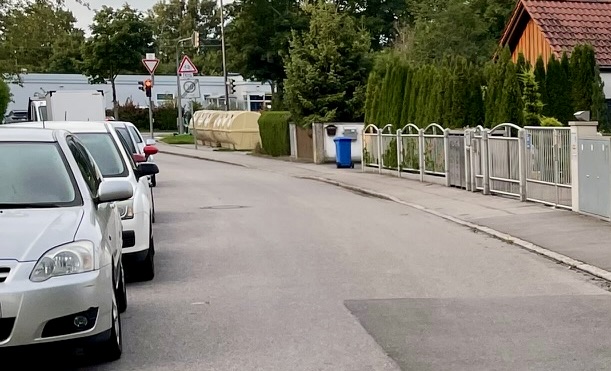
(350, 132)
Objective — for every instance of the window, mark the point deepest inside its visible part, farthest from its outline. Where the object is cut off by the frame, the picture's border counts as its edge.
(105, 152)
(125, 147)
(35, 175)
(123, 134)
(86, 165)
(135, 134)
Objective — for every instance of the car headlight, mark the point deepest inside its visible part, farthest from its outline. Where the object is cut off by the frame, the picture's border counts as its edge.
(72, 258)
(126, 209)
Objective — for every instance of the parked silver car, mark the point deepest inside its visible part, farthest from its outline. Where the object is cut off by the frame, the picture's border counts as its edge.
(61, 272)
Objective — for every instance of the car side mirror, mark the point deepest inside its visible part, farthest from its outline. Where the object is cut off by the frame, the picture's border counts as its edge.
(150, 150)
(150, 142)
(138, 157)
(147, 168)
(112, 191)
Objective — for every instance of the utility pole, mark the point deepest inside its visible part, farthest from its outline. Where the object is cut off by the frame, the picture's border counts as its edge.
(224, 58)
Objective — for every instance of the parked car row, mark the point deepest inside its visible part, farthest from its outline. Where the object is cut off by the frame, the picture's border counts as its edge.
(76, 218)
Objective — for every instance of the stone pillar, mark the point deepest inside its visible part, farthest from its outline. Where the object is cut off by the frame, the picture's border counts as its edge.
(579, 129)
(318, 142)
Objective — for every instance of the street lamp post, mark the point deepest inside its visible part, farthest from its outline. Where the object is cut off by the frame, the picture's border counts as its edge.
(224, 58)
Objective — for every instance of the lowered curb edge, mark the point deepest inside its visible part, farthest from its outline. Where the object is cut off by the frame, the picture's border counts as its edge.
(573, 263)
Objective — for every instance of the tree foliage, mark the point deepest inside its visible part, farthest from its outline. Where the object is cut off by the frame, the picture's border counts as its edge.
(533, 106)
(120, 37)
(38, 36)
(327, 68)
(558, 103)
(258, 38)
(5, 98)
(176, 19)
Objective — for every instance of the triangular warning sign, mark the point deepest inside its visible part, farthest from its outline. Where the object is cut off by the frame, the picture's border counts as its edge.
(186, 66)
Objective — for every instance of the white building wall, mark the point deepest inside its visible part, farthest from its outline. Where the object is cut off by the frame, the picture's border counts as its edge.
(127, 88)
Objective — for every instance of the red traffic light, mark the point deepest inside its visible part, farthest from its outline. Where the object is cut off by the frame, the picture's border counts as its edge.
(148, 83)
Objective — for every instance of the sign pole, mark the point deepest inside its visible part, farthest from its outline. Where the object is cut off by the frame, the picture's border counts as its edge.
(151, 63)
(151, 108)
(178, 92)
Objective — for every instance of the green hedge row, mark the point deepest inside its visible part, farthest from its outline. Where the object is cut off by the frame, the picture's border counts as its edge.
(164, 117)
(456, 94)
(274, 131)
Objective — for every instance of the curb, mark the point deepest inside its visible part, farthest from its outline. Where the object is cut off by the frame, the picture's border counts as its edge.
(573, 263)
(202, 158)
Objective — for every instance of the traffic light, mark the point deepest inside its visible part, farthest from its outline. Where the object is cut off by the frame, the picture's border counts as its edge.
(148, 86)
(141, 87)
(231, 86)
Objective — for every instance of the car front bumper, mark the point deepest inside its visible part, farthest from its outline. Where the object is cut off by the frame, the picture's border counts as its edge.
(135, 234)
(43, 312)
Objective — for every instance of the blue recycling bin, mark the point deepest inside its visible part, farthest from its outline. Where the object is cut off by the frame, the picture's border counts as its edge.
(343, 154)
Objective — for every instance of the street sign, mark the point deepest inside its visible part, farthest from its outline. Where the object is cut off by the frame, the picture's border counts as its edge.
(187, 66)
(151, 65)
(190, 88)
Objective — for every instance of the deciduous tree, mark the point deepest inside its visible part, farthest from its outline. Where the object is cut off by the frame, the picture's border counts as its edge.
(120, 38)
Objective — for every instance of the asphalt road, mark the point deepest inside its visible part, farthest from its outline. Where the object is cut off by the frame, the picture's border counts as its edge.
(261, 271)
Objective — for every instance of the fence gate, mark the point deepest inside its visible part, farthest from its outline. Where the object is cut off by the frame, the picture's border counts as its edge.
(456, 160)
(371, 147)
(504, 160)
(548, 166)
(594, 187)
(477, 158)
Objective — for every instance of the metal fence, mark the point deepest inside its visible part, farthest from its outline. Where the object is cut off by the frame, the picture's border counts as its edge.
(531, 163)
(548, 165)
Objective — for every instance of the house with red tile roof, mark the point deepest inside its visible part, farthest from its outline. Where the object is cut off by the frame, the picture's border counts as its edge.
(546, 28)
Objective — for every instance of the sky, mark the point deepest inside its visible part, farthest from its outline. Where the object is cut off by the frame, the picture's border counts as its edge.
(85, 16)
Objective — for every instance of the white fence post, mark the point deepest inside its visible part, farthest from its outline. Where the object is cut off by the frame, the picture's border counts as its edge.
(421, 153)
(399, 150)
(467, 154)
(379, 151)
(363, 145)
(446, 154)
(522, 163)
(485, 165)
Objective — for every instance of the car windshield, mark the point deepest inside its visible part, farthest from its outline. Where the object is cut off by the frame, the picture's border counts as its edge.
(35, 175)
(105, 153)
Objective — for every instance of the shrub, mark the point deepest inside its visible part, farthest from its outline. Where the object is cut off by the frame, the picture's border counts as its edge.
(274, 131)
(164, 116)
(550, 122)
(5, 98)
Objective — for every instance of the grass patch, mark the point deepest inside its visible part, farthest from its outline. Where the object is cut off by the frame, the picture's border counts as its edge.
(178, 139)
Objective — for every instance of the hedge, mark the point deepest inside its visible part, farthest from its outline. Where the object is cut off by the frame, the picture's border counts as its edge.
(274, 131)
(455, 93)
(164, 117)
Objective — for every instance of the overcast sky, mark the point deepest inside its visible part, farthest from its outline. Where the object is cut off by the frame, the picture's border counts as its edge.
(85, 16)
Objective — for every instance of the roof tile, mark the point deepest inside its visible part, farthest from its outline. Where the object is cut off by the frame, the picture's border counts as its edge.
(567, 23)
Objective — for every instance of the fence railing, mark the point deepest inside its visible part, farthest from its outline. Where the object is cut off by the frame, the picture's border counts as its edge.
(531, 163)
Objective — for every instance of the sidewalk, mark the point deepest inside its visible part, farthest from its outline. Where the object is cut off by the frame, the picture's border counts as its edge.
(576, 240)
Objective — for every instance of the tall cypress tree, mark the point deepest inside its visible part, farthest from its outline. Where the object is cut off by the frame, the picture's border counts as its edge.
(460, 97)
(540, 79)
(599, 105)
(511, 101)
(557, 92)
(409, 75)
(476, 104)
(533, 107)
(583, 64)
(495, 87)
(415, 91)
(567, 111)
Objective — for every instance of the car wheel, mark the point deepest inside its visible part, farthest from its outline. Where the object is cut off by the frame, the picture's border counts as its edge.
(147, 270)
(121, 293)
(111, 349)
